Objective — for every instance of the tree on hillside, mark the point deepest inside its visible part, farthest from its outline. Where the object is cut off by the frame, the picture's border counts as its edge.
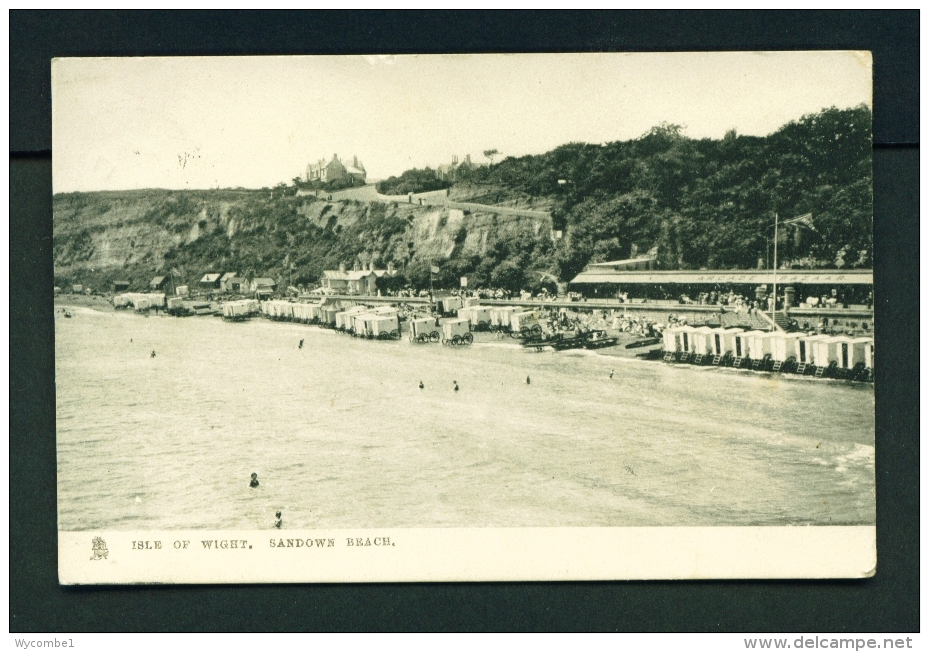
(491, 153)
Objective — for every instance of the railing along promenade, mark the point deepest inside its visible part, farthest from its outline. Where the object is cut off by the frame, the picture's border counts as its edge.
(858, 312)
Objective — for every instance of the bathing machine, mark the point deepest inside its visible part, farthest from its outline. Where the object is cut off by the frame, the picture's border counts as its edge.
(456, 331)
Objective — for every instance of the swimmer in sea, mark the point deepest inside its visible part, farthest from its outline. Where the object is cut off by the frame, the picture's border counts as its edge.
(456, 385)
(279, 521)
(421, 384)
(254, 482)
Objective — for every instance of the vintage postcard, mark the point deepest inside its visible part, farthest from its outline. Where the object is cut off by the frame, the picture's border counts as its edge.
(458, 318)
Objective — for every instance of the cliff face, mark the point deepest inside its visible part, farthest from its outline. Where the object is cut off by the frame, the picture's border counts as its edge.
(133, 235)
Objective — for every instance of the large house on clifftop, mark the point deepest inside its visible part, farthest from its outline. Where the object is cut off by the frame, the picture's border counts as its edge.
(335, 169)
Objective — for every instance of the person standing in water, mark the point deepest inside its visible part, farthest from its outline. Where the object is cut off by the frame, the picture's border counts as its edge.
(279, 521)
(254, 482)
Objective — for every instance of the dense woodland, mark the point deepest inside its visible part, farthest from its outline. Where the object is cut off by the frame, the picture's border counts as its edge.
(702, 203)
(414, 180)
(709, 203)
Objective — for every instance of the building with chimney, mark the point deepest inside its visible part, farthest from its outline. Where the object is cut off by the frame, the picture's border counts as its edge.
(336, 170)
(447, 171)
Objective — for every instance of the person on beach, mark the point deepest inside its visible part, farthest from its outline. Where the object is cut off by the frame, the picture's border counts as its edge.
(300, 345)
(279, 521)
(421, 384)
(456, 385)
(611, 373)
(254, 482)
(527, 380)
(153, 354)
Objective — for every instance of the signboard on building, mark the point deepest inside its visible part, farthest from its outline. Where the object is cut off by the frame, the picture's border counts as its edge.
(464, 281)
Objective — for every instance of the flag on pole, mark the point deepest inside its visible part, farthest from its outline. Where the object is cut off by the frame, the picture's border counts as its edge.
(805, 220)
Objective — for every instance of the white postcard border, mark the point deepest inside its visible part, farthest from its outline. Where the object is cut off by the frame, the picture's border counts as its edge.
(465, 554)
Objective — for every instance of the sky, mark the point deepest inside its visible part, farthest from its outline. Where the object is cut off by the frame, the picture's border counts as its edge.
(226, 122)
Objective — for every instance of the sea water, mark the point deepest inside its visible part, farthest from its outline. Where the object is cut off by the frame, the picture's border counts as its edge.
(341, 435)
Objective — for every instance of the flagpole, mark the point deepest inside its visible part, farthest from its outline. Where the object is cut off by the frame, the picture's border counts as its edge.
(774, 302)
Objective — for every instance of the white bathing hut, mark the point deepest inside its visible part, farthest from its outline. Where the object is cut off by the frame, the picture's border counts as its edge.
(850, 351)
(479, 316)
(384, 326)
(521, 320)
(784, 346)
(671, 339)
(424, 329)
(122, 301)
(277, 309)
(456, 330)
(702, 340)
(450, 304)
(344, 319)
(360, 323)
(238, 310)
(825, 351)
(685, 332)
(723, 340)
(500, 316)
(327, 315)
(759, 344)
(742, 340)
(388, 311)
